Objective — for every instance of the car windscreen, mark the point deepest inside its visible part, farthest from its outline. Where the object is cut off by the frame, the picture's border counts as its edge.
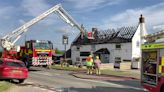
(16, 64)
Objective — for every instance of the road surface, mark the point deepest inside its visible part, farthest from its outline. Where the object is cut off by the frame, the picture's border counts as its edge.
(50, 80)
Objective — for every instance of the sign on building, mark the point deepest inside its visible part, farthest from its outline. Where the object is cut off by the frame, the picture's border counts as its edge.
(65, 39)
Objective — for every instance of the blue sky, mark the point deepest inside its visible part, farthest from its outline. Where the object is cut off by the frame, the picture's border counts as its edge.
(103, 14)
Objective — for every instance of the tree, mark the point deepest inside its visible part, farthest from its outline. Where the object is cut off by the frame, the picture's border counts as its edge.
(57, 51)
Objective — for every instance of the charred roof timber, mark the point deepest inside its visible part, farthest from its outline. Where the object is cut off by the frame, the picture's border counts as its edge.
(120, 35)
(95, 31)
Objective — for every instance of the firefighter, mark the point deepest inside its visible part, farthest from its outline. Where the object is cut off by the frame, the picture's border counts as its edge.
(89, 63)
(25, 59)
(97, 64)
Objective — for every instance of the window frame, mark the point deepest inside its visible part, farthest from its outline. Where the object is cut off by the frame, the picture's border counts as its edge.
(77, 48)
(117, 46)
(13, 64)
(86, 54)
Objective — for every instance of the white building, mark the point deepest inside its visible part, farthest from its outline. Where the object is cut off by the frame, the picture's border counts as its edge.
(113, 46)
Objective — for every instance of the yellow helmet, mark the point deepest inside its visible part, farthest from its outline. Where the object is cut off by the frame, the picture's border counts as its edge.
(90, 55)
(97, 57)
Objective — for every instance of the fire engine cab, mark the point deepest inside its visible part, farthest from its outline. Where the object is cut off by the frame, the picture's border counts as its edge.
(39, 52)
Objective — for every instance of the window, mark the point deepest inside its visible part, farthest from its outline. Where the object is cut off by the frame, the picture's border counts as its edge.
(83, 59)
(41, 45)
(28, 45)
(16, 64)
(77, 48)
(117, 59)
(118, 46)
(137, 44)
(84, 53)
(1, 62)
(126, 60)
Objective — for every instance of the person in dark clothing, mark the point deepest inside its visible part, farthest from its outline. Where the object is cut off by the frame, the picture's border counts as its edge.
(25, 59)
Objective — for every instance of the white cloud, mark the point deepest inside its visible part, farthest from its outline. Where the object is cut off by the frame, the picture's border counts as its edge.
(89, 5)
(52, 22)
(153, 16)
(6, 18)
(5, 12)
(34, 7)
(15, 16)
(158, 27)
(21, 21)
(66, 30)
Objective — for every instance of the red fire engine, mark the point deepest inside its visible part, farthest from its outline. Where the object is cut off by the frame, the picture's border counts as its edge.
(39, 52)
(152, 64)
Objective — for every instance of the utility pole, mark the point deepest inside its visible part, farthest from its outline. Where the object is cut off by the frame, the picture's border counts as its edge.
(65, 53)
(65, 42)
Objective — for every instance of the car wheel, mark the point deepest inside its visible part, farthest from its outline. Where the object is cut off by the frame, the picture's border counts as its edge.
(21, 80)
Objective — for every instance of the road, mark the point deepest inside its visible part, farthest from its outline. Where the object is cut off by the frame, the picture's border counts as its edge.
(61, 81)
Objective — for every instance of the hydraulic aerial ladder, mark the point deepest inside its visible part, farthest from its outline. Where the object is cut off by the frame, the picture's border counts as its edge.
(154, 36)
(9, 40)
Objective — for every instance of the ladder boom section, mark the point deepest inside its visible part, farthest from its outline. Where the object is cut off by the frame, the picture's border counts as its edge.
(30, 23)
(67, 18)
(9, 40)
(154, 36)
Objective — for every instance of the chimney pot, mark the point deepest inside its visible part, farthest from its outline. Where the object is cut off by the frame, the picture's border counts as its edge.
(141, 19)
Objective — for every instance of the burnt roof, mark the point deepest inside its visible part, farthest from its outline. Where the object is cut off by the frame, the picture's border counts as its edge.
(119, 35)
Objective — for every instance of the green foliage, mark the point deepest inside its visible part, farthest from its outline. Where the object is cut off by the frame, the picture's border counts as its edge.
(57, 51)
(120, 73)
(70, 68)
(4, 86)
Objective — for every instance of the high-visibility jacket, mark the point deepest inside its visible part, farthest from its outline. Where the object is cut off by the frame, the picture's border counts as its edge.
(89, 62)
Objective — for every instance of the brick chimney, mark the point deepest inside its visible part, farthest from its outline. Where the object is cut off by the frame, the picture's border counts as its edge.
(142, 28)
(141, 19)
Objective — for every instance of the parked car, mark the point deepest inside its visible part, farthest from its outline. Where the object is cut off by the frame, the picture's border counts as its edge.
(13, 69)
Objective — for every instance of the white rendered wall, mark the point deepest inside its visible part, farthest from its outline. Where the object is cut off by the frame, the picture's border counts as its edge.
(125, 52)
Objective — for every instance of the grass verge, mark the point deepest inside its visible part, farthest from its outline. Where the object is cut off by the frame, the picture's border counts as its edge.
(70, 68)
(4, 86)
(120, 73)
(103, 71)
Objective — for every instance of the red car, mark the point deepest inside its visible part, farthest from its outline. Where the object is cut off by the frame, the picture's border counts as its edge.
(13, 69)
